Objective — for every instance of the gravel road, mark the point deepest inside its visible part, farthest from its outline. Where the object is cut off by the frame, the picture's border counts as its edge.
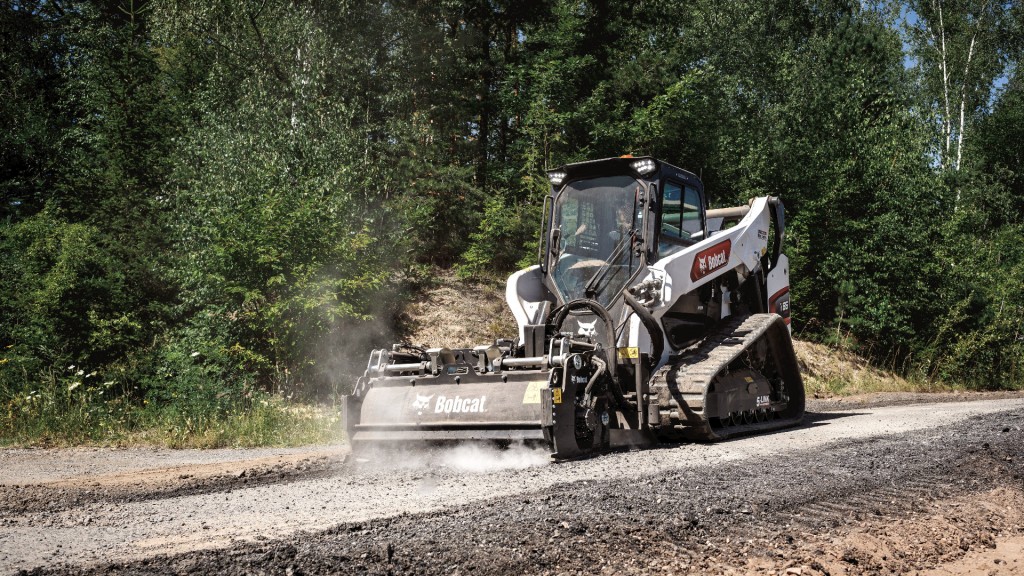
(860, 488)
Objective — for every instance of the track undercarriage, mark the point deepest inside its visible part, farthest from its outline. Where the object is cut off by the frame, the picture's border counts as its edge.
(742, 379)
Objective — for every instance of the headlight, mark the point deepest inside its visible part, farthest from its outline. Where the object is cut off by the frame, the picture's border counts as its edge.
(644, 166)
(556, 177)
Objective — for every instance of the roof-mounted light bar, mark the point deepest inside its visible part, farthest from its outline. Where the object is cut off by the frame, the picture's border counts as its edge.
(644, 166)
(556, 177)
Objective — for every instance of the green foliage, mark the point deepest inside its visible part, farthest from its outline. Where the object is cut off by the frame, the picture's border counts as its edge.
(30, 81)
(980, 339)
(506, 239)
(64, 296)
(279, 246)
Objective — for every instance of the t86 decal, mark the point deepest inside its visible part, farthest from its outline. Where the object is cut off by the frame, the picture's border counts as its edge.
(779, 303)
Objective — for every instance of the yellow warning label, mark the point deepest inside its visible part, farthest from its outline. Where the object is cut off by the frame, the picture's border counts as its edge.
(629, 353)
(748, 378)
(556, 395)
(532, 395)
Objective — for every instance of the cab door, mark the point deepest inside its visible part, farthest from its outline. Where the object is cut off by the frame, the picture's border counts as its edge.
(681, 222)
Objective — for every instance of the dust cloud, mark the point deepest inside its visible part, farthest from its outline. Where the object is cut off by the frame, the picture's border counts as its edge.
(475, 458)
(472, 458)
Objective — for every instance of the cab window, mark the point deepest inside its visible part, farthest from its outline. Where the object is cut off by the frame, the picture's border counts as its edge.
(681, 222)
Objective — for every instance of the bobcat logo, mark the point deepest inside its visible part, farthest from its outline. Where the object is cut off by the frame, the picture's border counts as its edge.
(587, 329)
(421, 402)
(710, 260)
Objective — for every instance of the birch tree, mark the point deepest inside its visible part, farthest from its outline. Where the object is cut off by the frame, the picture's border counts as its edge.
(959, 52)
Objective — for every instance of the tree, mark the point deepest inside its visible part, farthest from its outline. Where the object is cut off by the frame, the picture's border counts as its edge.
(959, 48)
(31, 50)
(88, 265)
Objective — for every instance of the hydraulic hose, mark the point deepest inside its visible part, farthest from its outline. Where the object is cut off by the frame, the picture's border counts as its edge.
(653, 329)
(601, 367)
(597, 309)
(611, 351)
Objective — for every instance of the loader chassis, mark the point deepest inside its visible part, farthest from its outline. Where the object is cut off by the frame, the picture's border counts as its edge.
(648, 318)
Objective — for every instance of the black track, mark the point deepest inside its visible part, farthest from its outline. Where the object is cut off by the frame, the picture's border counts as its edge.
(682, 386)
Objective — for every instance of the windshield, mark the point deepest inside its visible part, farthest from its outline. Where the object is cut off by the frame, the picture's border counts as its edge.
(599, 222)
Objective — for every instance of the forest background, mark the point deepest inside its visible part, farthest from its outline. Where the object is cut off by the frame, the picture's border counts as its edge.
(212, 209)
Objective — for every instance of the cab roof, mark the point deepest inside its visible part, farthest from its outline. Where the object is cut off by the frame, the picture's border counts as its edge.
(627, 166)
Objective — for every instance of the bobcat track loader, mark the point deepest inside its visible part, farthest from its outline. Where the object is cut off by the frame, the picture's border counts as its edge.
(648, 318)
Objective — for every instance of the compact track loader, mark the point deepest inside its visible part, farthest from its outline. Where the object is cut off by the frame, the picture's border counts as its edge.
(648, 318)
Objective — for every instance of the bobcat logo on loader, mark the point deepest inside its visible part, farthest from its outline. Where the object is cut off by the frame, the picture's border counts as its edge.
(422, 402)
(587, 329)
(710, 259)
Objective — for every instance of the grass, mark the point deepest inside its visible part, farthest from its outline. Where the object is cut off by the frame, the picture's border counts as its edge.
(73, 411)
(841, 385)
(74, 408)
(829, 372)
(270, 421)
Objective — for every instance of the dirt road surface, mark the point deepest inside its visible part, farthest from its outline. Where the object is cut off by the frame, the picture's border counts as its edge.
(860, 488)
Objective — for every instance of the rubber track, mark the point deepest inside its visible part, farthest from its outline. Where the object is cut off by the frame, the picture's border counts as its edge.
(680, 396)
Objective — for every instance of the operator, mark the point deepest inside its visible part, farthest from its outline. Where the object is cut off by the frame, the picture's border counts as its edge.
(623, 224)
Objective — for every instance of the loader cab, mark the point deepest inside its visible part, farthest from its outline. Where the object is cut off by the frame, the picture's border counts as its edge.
(609, 218)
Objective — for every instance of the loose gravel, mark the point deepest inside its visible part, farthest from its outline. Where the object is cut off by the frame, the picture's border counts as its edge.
(819, 499)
